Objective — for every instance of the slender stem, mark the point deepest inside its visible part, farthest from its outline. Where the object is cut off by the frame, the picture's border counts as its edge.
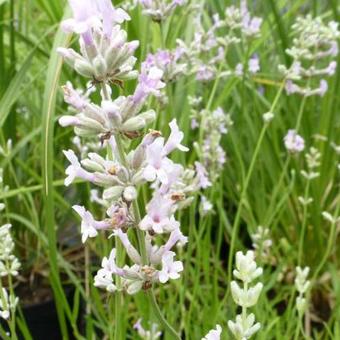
(287, 162)
(246, 184)
(87, 280)
(331, 240)
(300, 114)
(298, 327)
(159, 315)
(304, 222)
(244, 308)
(208, 107)
(277, 190)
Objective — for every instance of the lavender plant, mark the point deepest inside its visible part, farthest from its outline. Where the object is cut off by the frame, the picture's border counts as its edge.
(107, 57)
(148, 80)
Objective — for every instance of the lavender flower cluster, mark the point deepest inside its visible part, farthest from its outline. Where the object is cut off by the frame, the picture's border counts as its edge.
(107, 57)
(314, 49)
(214, 124)
(104, 130)
(159, 10)
(207, 52)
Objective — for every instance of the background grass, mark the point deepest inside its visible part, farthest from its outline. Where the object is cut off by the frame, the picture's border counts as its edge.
(47, 232)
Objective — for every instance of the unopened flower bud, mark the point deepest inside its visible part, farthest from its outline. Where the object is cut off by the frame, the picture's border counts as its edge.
(113, 193)
(130, 194)
(134, 287)
(133, 124)
(100, 67)
(148, 116)
(268, 117)
(138, 157)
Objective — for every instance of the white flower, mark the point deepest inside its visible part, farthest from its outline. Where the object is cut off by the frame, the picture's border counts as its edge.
(89, 226)
(103, 279)
(176, 237)
(244, 329)
(247, 269)
(75, 170)
(205, 206)
(246, 297)
(130, 249)
(151, 334)
(294, 143)
(268, 117)
(7, 303)
(159, 218)
(301, 282)
(158, 165)
(214, 334)
(302, 285)
(170, 268)
(202, 176)
(254, 64)
(4, 304)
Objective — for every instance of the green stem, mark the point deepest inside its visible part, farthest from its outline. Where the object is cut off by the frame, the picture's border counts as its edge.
(304, 222)
(298, 327)
(208, 107)
(277, 189)
(244, 308)
(246, 184)
(160, 317)
(331, 241)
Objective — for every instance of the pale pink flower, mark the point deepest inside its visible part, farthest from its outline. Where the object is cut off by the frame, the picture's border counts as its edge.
(170, 268)
(176, 236)
(74, 97)
(159, 218)
(202, 176)
(110, 15)
(254, 64)
(149, 82)
(293, 142)
(75, 170)
(214, 334)
(174, 140)
(158, 165)
(85, 17)
(130, 249)
(89, 226)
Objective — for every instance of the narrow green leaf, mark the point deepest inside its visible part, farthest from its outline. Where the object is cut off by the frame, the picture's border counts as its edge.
(49, 104)
(14, 90)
